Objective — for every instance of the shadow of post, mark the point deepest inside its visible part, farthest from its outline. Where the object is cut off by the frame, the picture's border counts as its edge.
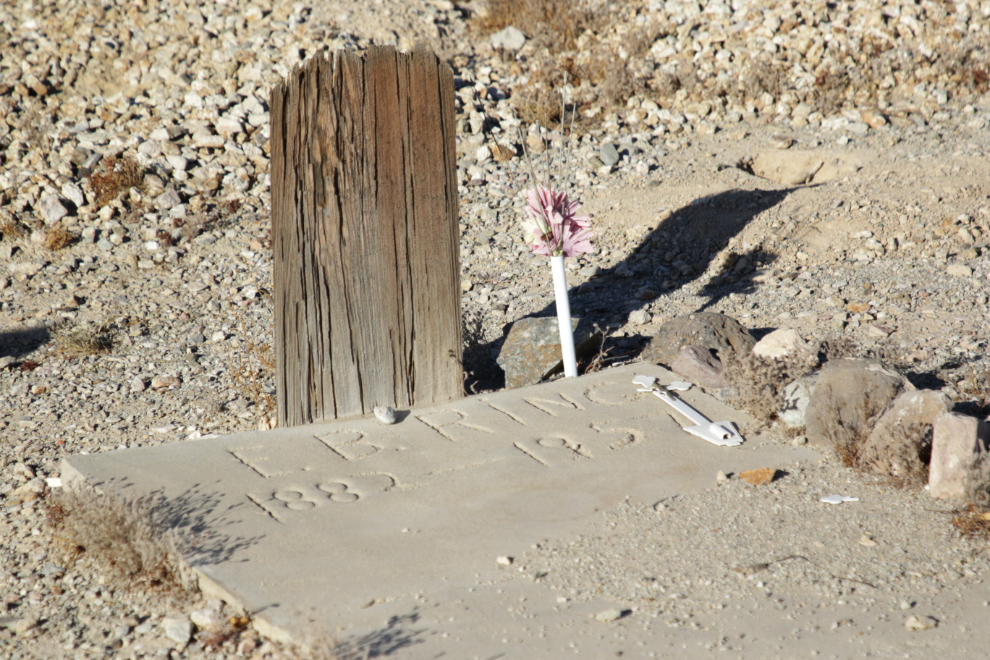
(694, 234)
(15, 343)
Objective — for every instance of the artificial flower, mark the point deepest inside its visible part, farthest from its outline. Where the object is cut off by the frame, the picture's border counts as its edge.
(553, 227)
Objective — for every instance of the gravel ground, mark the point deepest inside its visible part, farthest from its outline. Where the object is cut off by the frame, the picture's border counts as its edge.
(888, 246)
(682, 560)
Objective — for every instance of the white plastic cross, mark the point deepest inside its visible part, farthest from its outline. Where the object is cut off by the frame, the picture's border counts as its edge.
(723, 434)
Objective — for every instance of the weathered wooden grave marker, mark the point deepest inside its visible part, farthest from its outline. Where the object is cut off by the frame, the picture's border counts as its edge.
(365, 235)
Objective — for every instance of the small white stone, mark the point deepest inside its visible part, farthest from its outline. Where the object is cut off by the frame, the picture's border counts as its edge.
(639, 317)
(721, 478)
(916, 624)
(385, 414)
(504, 561)
(959, 270)
(179, 630)
(609, 615)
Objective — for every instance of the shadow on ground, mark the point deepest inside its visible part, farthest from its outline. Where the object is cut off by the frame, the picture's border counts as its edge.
(395, 636)
(692, 235)
(22, 341)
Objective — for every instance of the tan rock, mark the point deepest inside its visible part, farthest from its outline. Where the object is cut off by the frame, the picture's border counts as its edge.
(698, 365)
(160, 382)
(847, 396)
(957, 443)
(758, 477)
(902, 435)
(30, 491)
(779, 344)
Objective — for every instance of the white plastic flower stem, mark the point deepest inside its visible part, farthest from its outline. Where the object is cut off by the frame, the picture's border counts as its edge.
(564, 316)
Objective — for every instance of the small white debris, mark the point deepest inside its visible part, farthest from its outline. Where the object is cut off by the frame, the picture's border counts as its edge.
(679, 386)
(838, 499)
(504, 561)
(609, 615)
(915, 623)
(53, 482)
(385, 414)
(721, 478)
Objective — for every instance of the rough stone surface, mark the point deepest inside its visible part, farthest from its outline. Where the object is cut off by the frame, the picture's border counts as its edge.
(849, 392)
(779, 344)
(510, 38)
(209, 617)
(718, 332)
(900, 442)
(177, 629)
(796, 398)
(957, 442)
(609, 154)
(52, 209)
(531, 351)
(698, 365)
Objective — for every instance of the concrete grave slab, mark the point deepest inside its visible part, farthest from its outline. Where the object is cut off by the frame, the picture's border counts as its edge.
(355, 523)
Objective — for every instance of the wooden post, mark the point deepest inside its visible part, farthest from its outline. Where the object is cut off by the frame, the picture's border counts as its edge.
(365, 235)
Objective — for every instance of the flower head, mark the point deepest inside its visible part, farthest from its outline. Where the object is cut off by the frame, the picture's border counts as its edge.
(552, 227)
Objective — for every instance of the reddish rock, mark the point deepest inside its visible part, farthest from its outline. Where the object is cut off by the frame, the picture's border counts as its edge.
(698, 365)
(717, 332)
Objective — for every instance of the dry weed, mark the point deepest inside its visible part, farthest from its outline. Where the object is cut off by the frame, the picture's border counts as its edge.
(903, 458)
(120, 534)
(58, 238)
(758, 383)
(12, 229)
(556, 23)
(253, 365)
(90, 339)
(978, 481)
(836, 347)
(115, 176)
(973, 522)
(974, 385)
(597, 361)
(573, 39)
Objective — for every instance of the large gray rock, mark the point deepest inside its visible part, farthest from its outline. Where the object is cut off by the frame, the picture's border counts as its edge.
(698, 365)
(850, 392)
(531, 351)
(959, 443)
(717, 332)
(900, 443)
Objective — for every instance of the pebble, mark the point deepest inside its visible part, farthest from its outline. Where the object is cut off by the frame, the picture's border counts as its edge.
(916, 623)
(609, 615)
(52, 209)
(177, 629)
(609, 155)
(385, 414)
